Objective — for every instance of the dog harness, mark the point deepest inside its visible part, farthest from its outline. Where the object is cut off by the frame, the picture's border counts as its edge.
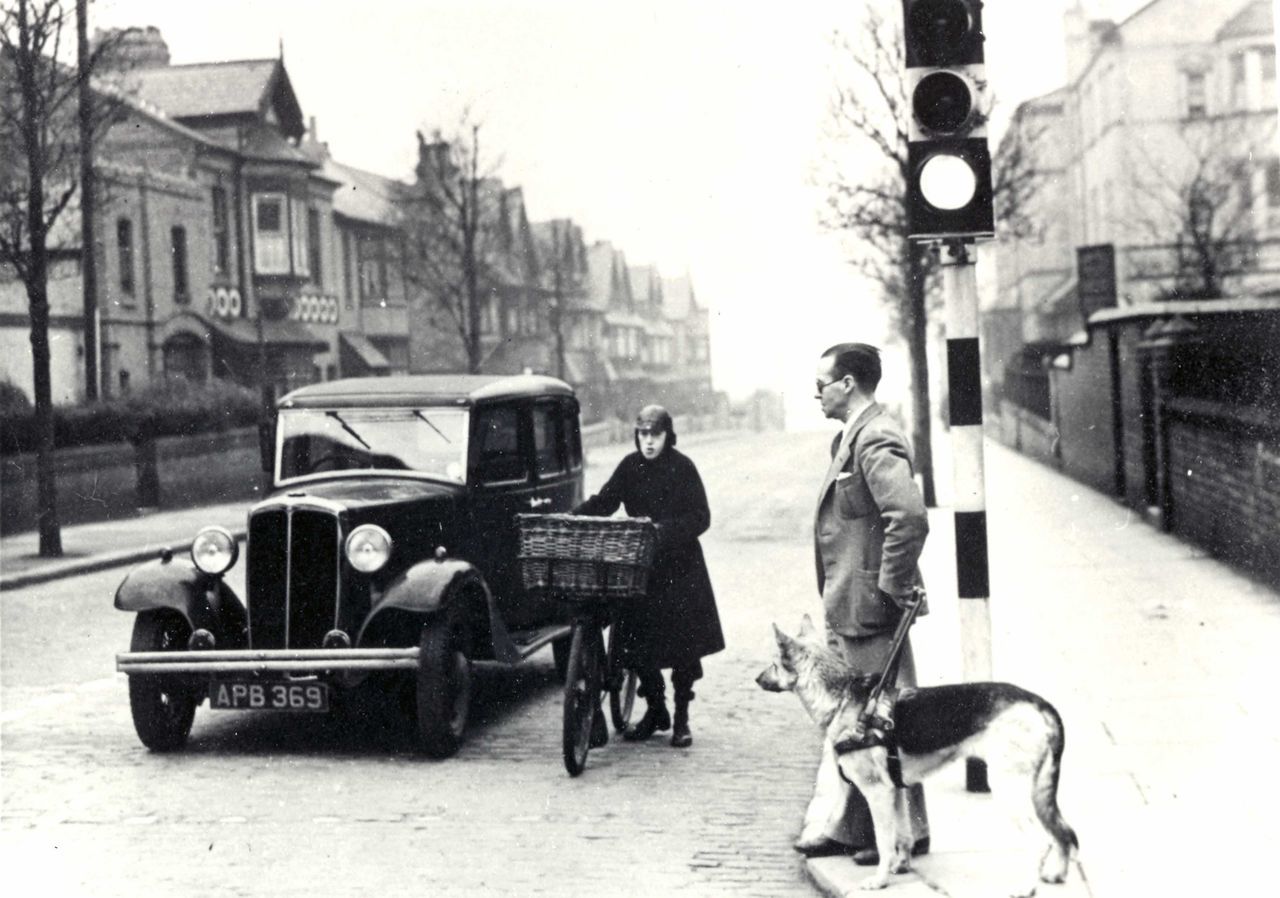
(877, 730)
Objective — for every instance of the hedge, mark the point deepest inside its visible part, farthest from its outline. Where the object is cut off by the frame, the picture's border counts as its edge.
(172, 407)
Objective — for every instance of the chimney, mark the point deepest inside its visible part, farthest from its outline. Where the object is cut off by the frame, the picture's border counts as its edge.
(128, 49)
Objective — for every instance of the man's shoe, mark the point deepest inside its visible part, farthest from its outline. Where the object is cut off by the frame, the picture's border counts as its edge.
(823, 848)
(869, 857)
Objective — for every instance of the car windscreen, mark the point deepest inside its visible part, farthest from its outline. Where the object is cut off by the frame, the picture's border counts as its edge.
(426, 441)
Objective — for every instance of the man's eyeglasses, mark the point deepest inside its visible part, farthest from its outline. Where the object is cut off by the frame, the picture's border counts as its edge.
(823, 384)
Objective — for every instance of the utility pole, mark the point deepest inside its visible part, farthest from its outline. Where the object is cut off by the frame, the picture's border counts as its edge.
(88, 208)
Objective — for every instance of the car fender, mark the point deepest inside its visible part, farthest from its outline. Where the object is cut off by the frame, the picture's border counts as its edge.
(430, 586)
(174, 583)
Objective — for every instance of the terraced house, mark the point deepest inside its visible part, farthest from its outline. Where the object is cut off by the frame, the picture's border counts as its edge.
(233, 245)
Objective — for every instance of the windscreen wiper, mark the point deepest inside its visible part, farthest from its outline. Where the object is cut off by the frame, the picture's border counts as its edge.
(349, 429)
(420, 415)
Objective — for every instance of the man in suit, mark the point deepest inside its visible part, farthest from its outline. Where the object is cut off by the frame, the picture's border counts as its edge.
(869, 530)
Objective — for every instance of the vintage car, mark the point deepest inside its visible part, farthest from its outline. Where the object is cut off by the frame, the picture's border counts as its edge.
(385, 553)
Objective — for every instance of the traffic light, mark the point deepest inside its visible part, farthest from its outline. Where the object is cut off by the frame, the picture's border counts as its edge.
(948, 161)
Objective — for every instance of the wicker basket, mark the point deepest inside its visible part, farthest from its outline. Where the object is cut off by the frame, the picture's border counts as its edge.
(585, 558)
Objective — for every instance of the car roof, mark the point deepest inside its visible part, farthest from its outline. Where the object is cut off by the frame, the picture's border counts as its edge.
(424, 389)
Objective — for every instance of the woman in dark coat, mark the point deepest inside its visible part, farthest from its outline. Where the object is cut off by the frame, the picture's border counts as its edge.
(676, 625)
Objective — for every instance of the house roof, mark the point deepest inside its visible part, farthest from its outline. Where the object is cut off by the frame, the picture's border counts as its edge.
(1256, 18)
(363, 195)
(677, 298)
(642, 283)
(208, 89)
(599, 275)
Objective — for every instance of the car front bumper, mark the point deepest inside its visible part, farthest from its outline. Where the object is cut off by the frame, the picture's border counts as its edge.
(251, 661)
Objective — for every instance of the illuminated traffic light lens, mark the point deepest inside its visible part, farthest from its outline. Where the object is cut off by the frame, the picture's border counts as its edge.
(947, 182)
(942, 102)
(939, 26)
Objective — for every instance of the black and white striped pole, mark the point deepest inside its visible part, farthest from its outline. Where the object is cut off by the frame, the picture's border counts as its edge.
(949, 202)
(964, 385)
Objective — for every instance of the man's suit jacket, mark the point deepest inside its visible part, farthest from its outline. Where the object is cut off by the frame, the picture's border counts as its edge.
(870, 527)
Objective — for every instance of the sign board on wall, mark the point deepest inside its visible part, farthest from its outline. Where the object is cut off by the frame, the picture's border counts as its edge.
(1096, 278)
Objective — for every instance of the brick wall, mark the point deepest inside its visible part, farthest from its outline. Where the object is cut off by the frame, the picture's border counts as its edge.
(1224, 481)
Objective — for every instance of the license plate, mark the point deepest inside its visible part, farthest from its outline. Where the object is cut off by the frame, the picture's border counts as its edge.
(253, 695)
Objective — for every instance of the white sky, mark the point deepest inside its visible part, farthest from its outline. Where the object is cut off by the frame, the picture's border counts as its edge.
(685, 133)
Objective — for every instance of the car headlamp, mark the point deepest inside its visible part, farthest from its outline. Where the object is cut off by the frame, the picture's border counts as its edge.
(368, 548)
(214, 550)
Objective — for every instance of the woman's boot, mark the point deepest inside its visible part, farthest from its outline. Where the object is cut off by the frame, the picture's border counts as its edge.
(681, 737)
(656, 716)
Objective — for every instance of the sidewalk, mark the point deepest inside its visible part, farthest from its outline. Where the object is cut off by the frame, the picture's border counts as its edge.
(106, 544)
(1160, 661)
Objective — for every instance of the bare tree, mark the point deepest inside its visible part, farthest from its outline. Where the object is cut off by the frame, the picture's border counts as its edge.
(865, 177)
(1196, 211)
(452, 225)
(40, 136)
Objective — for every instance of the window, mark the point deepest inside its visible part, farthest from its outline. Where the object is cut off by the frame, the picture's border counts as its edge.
(572, 436)
(548, 442)
(124, 251)
(1242, 174)
(185, 356)
(270, 238)
(489, 315)
(313, 246)
(178, 248)
(1195, 85)
(1273, 183)
(348, 263)
(1268, 58)
(298, 235)
(499, 459)
(221, 233)
(371, 261)
(1239, 96)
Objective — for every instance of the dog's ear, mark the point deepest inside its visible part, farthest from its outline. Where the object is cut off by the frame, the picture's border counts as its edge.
(784, 641)
(806, 627)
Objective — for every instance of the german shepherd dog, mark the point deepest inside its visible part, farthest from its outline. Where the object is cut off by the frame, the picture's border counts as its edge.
(1016, 731)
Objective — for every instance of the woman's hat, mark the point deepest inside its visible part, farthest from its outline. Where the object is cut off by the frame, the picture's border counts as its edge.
(655, 417)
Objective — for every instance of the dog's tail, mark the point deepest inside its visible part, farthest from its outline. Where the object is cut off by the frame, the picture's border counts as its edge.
(1044, 795)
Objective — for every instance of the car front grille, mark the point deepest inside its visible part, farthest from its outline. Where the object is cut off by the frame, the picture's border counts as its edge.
(294, 576)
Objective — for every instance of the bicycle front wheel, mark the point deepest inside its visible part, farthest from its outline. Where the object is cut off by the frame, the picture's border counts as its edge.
(581, 695)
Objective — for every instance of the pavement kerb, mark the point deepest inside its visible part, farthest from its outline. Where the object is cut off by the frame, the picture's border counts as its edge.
(101, 562)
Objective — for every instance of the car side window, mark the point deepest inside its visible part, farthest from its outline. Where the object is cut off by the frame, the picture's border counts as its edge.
(499, 459)
(572, 435)
(548, 442)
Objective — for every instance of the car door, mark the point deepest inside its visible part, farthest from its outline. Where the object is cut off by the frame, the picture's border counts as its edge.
(502, 481)
(556, 465)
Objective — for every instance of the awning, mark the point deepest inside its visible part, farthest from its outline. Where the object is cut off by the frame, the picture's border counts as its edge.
(274, 333)
(368, 354)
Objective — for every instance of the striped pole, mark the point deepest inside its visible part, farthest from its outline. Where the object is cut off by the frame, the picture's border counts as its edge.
(964, 383)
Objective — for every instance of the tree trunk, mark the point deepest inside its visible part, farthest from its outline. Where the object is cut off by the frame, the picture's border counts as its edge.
(916, 329)
(37, 284)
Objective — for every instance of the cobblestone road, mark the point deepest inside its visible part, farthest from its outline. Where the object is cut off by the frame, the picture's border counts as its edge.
(278, 805)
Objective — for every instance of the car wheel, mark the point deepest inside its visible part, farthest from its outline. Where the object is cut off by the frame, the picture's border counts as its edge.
(560, 653)
(443, 685)
(163, 708)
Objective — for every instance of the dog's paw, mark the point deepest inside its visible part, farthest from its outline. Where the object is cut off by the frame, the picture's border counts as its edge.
(874, 883)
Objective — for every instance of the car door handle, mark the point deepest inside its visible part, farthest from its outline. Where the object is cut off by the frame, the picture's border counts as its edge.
(537, 503)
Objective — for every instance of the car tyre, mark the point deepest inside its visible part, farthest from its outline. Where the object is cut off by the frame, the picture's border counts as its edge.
(163, 708)
(443, 685)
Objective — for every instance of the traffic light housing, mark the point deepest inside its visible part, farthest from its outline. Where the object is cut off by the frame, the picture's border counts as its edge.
(949, 192)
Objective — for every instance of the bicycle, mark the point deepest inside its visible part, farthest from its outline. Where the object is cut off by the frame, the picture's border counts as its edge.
(592, 564)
